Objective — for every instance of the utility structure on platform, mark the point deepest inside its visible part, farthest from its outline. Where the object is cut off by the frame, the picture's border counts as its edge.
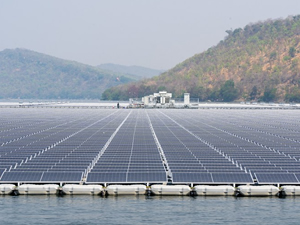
(158, 99)
(186, 99)
(162, 99)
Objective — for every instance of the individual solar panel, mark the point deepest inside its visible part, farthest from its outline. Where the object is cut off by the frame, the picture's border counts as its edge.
(232, 178)
(62, 177)
(21, 176)
(267, 178)
(149, 177)
(94, 177)
(297, 176)
(192, 178)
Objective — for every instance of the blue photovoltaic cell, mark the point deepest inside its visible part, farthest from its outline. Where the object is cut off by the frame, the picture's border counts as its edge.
(276, 178)
(232, 178)
(147, 177)
(192, 178)
(297, 176)
(62, 177)
(106, 177)
(22, 176)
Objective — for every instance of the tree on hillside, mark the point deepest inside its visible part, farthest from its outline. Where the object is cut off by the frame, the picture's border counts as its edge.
(197, 92)
(253, 93)
(269, 94)
(293, 95)
(292, 52)
(228, 92)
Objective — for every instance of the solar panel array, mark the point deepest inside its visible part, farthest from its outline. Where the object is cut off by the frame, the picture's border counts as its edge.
(131, 156)
(48, 145)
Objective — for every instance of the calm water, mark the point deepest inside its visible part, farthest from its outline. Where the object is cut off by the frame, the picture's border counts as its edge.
(148, 210)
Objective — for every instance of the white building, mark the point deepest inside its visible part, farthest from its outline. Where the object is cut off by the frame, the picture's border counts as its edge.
(157, 99)
(163, 99)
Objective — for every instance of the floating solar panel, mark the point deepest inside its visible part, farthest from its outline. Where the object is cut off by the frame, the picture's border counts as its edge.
(240, 178)
(298, 176)
(283, 178)
(62, 177)
(192, 178)
(149, 177)
(21, 176)
(94, 177)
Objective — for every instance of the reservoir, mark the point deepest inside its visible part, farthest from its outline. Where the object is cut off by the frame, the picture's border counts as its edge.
(147, 210)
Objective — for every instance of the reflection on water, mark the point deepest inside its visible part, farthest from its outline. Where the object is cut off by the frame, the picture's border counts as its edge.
(147, 209)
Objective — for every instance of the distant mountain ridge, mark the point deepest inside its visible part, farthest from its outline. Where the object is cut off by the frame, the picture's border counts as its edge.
(32, 75)
(136, 71)
(260, 62)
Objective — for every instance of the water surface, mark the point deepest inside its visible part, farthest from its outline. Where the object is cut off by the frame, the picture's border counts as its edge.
(147, 210)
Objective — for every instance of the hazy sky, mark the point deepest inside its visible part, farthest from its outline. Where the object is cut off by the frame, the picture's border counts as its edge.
(153, 33)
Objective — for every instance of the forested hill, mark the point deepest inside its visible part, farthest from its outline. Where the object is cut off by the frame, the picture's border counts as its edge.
(258, 62)
(28, 74)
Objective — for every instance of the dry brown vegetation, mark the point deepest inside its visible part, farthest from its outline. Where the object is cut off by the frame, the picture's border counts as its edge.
(262, 60)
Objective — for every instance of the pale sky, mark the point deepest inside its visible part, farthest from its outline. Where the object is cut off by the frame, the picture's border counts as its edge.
(153, 33)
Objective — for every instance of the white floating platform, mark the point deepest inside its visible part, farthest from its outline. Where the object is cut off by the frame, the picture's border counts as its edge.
(138, 189)
(207, 190)
(170, 189)
(76, 189)
(265, 190)
(34, 189)
(6, 189)
(291, 190)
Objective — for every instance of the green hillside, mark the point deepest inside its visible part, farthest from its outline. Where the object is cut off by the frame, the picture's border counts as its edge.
(258, 62)
(32, 75)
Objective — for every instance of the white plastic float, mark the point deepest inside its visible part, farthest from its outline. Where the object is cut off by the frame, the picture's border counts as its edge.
(265, 190)
(34, 189)
(170, 189)
(6, 189)
(76, 189)
(207, 190)
(291, 190)
(137, 189)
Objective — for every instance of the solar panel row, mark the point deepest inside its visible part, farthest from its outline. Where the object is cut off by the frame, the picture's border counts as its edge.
(132, 155)
(250, 154)
(45, 177)
(199, 146)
